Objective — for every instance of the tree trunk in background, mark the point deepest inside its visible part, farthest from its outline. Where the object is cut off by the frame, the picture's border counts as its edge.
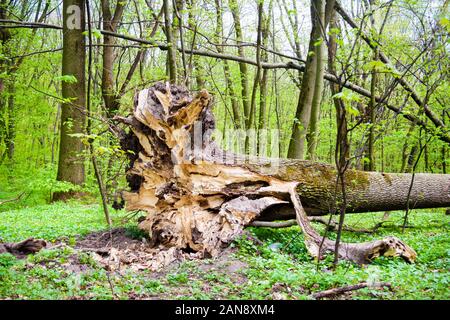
(370, 164)
(406, 145)
(171, 52)
(412, 158)
(303, 113)
(226, 68)
(257, 79)
(444, 150)
(242, 66)
(323, 16)
(262, 123)
(199, 76)
(110, 23)
(11, 134)
(177, 36)
(5, 36)
(73, 113)
(312, 85)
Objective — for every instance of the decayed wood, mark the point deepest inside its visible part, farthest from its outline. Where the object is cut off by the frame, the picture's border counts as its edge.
(24, 247)
(197, 200)
(361, 253)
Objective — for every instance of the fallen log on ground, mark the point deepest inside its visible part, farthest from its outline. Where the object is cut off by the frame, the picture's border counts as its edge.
(23, 248)
(199, 197)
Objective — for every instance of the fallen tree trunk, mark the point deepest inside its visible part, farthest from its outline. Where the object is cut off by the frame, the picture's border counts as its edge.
(366, 191)
(199, 197)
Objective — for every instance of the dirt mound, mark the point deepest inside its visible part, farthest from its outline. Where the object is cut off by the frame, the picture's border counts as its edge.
(117, 249)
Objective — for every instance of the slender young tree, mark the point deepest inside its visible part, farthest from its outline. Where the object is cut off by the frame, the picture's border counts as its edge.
(171, 52)
(235, 106)
(262, 123)
(244, 74)
(312, 84)
(110, 23)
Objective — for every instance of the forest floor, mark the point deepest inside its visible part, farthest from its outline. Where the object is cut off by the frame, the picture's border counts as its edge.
(262, 264)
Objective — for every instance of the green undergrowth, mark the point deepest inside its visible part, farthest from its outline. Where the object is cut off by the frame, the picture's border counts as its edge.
(263, 264)
(51, 222)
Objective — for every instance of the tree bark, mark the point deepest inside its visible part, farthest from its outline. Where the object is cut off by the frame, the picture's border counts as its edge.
(73, 118)
(110, 23)
(313, 129)
(198, 70)
(308, 109)
(369, 165)
(242, 66)
(303, 113)
(235, 107)
(262, 123)
(171, 52)
(199, 197)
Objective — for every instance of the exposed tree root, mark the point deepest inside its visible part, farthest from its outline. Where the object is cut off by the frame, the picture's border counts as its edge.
(361, 253)
(199, 197)
(270, 224)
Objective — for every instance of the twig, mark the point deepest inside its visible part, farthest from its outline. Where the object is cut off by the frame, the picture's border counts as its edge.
(14, 199)
(332, 225)
(89, 124)
(341, 290)
(405, 218)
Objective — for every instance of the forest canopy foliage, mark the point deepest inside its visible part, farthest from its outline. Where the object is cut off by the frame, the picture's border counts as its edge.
(413, 34)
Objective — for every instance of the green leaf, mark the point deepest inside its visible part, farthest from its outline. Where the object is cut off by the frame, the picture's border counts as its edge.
(68, 78)
(318, 42)
(334, 31)
(351, 110)
(445, 23)
(291, 12)
(375, 65)
(347, 96)
(95, 33)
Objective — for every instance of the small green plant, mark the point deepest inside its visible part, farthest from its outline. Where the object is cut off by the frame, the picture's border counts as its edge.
(177, 278)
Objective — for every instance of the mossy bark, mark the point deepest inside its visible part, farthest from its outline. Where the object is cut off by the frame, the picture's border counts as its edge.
(366, 191)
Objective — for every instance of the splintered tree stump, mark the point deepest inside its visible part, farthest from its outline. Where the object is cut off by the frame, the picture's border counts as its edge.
(198, 197)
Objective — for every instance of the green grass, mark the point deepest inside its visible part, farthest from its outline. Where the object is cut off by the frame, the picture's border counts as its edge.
(280, 267)
(50, 222)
